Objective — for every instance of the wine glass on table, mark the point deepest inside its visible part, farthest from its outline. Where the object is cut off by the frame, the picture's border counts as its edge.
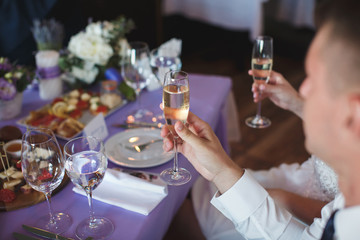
(43, 169)
(176, 105)
(136, 72)
(261, 65)
(85, 164)
(162, 60)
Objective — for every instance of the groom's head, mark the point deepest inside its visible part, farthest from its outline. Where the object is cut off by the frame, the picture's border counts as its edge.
(332, 87)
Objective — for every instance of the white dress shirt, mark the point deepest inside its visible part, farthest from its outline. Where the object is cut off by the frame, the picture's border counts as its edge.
(256, 216)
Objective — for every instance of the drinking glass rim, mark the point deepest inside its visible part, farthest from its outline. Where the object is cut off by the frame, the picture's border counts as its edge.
(82, 137)
(144, 45)
(46, 131)
(263, 37)
(184, 75)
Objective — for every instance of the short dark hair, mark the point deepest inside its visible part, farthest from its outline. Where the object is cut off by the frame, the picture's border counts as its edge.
(344, 18)
(343, 14)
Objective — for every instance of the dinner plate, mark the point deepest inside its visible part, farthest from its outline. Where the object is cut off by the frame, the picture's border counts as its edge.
(120, 148)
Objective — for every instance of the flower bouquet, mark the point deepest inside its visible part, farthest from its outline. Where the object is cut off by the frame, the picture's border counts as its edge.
(91, 51)
(13, 81)
(48, 34)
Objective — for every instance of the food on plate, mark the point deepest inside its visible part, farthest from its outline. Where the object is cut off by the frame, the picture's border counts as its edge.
(69, 127)
(8, 133)
(13, 148)
(7, 195)
(111, 100)
(65, 115)
(26, 189)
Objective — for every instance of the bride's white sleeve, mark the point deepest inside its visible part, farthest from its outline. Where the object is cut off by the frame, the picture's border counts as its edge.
(290, 177)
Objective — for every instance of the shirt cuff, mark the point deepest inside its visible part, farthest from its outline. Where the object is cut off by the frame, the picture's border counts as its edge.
(241, 200)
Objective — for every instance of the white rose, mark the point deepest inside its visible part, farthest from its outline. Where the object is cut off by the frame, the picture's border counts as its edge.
(124, 46)
(101, 29)
(88, 76)
(90, 47)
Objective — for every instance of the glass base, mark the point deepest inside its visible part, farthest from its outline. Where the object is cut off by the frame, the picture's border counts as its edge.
(258, 122)
(100, 229)
(141, 115)
(62, 223)
(171, 177)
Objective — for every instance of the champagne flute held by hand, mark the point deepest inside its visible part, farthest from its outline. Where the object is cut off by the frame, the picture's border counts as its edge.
(261, 64)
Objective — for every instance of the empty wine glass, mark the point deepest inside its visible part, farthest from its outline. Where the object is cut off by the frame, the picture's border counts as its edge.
(164, 59)
(137, 73)
(261, 65)
(85, 165)
(43, 169)
(176, 105)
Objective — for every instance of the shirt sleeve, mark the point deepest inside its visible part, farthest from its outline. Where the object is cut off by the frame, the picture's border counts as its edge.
(256, 216)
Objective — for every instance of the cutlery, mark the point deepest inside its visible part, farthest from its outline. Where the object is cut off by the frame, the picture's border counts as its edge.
(138, 125)
(140, 147)
(44, 233)
(20, 236)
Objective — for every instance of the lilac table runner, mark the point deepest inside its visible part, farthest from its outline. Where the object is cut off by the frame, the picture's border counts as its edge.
(207, 97)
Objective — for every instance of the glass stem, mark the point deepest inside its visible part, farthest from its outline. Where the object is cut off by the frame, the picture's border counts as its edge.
(48, 201)
(138, 97)
(91, 211)
(258, 112)
(176, 166)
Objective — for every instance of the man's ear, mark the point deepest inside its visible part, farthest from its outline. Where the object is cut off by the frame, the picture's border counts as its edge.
(354, 115)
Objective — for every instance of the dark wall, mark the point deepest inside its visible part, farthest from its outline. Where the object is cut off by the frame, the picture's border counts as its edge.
(74, 14)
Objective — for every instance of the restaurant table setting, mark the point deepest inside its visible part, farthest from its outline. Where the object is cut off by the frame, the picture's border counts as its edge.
(131, 195)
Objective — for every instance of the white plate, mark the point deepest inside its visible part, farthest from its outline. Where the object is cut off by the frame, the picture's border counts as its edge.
(151, 156)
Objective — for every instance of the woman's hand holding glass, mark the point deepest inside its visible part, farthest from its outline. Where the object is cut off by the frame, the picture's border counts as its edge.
(280, 92)
(43, 169)
(261, 65)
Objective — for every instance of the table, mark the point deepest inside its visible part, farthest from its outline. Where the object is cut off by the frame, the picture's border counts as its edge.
(208, 95)
(244, 15)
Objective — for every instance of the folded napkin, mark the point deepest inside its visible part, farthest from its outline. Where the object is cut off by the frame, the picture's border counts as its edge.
(171, 48)
(130, 192)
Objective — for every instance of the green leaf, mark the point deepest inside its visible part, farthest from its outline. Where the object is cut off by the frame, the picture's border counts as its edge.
(127, 91)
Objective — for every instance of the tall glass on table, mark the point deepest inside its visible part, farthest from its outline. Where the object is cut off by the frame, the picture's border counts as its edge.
(261, 65)
(136, 72)
(43, 169)
(163, 60)
(85, 164)
(176, 105)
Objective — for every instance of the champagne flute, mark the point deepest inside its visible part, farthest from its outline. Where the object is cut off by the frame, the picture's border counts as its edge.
(85, 165)
(43, 169)
(176, 108)
(136, 72)
(261, 65)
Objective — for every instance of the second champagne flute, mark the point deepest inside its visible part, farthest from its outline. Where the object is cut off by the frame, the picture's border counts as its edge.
(85, 165)
(176, 105)
(261, 65)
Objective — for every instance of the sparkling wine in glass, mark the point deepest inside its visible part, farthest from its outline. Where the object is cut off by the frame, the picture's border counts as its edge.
(137, 73)
(176, 108)
(43, 169)
(85, 165)
(261, 65)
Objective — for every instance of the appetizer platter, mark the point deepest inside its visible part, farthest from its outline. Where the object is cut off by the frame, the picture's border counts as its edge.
(68, 115)
(15, 193)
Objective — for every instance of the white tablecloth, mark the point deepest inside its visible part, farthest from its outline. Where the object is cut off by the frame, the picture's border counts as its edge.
(297, 12)
(229, 14)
